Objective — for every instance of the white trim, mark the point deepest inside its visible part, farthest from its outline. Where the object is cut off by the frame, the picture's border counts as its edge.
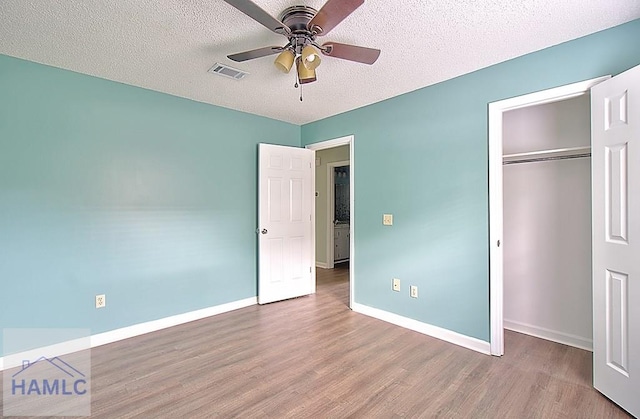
(434, 331)
(336, 142)
(154, 325)
(548, 334)
(139, 329)
(322, 265)
(496, 111)
(49, 351)
(350, 140)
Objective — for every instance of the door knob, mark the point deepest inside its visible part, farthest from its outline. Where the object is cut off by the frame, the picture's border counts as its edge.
(264, 231)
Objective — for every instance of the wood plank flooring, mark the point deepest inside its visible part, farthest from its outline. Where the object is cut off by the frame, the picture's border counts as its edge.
(312, 357)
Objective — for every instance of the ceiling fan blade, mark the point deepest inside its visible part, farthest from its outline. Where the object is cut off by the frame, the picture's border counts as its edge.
(351, 52)
(254, 11)
(254, 53)
(332, 13)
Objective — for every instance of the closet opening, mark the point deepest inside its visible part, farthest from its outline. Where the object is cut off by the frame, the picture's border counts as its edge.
(547, 221)
(539, 229)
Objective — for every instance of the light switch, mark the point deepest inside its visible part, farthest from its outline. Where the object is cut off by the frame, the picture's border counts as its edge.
(387, 219)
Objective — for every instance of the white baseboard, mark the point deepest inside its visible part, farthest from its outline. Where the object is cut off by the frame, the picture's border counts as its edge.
(548, 334)
(322, 265)
(152, 326)
(49, 351)
(136, 330)
(425, 328)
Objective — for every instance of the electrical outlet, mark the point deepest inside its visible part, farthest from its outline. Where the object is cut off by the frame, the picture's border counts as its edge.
(396, 284)
(413, 291)
(387, 219)
(101, 301)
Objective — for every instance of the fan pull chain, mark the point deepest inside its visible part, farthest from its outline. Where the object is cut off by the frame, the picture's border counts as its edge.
(298, 84)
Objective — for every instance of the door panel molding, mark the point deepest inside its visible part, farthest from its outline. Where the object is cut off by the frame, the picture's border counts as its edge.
(615, 134)
(285, 201)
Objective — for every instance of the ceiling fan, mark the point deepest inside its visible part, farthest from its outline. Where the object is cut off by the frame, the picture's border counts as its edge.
(301, 25)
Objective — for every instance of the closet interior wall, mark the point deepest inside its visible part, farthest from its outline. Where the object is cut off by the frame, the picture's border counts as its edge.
(547, 224)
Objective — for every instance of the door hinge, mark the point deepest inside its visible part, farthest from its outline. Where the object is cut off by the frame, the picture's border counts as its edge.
(310, 269)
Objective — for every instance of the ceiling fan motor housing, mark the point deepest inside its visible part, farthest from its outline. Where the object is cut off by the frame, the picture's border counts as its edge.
(297, 18)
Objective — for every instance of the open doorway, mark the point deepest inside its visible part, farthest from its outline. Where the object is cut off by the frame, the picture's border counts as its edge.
(338, 209)
(334, 217)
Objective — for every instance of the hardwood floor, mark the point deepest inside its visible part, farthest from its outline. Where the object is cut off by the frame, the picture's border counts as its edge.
(313, 357)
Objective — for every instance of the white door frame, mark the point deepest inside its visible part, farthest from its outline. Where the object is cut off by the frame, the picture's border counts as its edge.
(496, 111)
(331, 203)
(336, 142)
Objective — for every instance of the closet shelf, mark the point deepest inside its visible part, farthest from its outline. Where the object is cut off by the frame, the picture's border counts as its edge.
(547, 154)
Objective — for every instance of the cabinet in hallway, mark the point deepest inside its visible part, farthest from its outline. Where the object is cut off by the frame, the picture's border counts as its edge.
(341, 242)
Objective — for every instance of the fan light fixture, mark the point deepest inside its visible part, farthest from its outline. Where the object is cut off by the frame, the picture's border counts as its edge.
(284, 62)
(305, 75)
(301, 25)
(310, 57)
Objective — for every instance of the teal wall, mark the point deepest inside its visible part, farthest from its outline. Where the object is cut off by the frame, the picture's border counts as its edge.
(151, 199)
(107, 188)
(422, 156)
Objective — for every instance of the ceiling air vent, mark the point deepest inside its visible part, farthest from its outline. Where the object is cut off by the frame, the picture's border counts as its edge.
(225, 70)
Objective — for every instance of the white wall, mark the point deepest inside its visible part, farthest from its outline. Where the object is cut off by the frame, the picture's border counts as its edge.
(547, 225)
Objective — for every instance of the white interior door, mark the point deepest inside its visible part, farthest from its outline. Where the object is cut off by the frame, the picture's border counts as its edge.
(615, 113)
(285, 250)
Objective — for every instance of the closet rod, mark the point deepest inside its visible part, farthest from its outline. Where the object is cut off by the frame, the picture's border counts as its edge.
(548, 158)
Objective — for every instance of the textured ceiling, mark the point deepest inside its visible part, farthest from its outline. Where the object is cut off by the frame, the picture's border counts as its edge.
(169, 45)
